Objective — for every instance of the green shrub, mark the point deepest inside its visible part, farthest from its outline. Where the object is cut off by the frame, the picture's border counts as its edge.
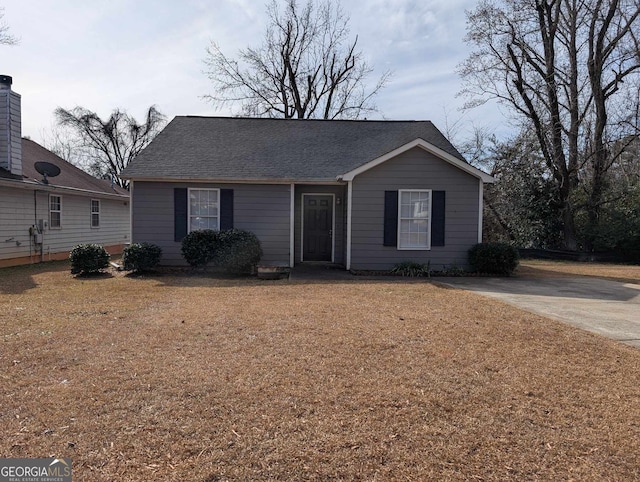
(494, 258)
(411, 268)
(141, 257)
(237, 251)
(199, 247)
(88, 258)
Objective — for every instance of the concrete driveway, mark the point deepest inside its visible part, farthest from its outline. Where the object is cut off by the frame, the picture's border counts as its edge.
(609, 308)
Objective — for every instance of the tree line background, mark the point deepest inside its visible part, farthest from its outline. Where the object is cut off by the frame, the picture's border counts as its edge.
(567, 73)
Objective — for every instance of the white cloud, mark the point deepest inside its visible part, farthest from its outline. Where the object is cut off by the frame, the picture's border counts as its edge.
(103, 55)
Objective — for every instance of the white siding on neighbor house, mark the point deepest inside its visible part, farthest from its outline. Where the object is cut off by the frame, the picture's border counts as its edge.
(18, 213)
(260, 208)
(414, 169)
(16, 217)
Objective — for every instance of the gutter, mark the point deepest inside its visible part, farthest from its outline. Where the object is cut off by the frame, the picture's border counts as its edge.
(36, 186)
(329, 182)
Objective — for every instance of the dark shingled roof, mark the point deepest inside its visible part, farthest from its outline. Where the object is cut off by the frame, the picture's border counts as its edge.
(70, 175)
(273, 149)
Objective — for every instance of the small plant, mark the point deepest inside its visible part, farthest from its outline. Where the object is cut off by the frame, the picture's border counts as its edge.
(452, 270)
(140, 257)
(237, 251)
(412, 269)
(88, 258)
(494, 258)
(199, 247)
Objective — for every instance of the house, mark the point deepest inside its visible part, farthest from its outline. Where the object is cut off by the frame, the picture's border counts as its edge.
(42, 217)
(362, 194)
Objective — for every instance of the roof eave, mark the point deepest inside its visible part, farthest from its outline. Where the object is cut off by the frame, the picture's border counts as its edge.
(30, 185)
(427, 146)
(233, 180)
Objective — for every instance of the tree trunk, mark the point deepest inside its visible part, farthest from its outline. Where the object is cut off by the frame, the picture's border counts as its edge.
(570, 241)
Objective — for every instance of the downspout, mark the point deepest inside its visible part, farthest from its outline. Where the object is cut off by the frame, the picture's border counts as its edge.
(42, 233)
(32, 243)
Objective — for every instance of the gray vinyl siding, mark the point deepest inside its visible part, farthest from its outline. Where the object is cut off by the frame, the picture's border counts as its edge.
(340, 218)
(20, 209)
(414, 169)
(261, 209)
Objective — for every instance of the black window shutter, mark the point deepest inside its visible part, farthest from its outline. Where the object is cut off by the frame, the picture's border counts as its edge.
(226, 208)
(390, 218)
(437, 218)
(179, 213)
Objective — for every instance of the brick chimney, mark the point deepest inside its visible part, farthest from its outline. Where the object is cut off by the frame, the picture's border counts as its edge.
(10, 128)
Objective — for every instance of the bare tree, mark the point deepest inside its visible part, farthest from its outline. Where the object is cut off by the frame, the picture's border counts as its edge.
(5, 37)
(306, 67)
(107, 146)
(560, 65)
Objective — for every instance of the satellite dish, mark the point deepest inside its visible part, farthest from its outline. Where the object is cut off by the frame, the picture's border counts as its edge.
(47, 170)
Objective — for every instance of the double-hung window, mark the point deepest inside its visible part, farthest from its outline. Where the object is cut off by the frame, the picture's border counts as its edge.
(95, 213)
(414, 219)
(204, 209)
(55, 211)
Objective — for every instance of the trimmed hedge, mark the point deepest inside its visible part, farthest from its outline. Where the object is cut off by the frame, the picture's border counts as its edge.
(238, 251)
(494, 258)
(88, 258)
(141, 257)
(234, 250)
(198, 247)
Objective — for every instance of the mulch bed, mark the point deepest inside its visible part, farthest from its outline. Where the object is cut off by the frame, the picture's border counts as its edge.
(192, 377)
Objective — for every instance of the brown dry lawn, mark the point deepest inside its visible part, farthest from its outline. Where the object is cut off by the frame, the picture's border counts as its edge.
(543, 268)
(183, 377)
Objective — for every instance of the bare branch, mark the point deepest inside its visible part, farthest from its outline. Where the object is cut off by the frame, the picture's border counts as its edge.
(306, 67)
(108, 146)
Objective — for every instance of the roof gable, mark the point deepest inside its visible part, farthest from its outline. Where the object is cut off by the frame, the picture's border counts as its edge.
(422, 144)
(276, 150)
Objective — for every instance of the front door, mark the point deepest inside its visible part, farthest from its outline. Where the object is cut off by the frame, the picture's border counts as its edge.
(317, 242)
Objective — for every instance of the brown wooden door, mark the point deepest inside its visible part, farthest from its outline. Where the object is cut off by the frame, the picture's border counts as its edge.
(317, 228)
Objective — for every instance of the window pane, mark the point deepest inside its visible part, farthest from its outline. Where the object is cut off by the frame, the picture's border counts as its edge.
(414, 222)
(194, 205)
(55, 220)
(198, 223)
(55, 203)
(203, 209)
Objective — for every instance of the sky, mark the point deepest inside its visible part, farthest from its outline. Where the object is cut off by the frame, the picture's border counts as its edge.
(129, 54)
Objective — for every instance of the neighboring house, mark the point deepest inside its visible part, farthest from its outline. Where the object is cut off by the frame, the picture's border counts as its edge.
(362, 194)
(43, 219)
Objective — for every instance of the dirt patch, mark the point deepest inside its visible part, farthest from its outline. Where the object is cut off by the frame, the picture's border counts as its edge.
(189, 377)
(533, 268)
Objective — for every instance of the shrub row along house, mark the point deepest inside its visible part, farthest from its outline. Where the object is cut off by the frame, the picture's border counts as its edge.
(43, 217)
(362, 194)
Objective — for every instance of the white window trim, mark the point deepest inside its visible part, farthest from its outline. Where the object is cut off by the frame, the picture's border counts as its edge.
(415, 248)
(189, 205)
(51, 211)
(92, 212)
